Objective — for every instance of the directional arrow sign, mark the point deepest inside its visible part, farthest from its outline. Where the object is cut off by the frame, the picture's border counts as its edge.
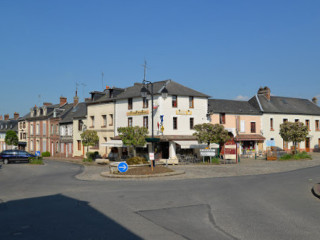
(122, 167)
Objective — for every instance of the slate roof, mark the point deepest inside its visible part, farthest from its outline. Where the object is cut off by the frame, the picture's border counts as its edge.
(173, 88)
(6, 125)
(79, 111)
(286, 105)
(231, 107)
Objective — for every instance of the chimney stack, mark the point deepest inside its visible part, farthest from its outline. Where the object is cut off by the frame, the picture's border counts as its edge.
(16, 116)
(47, 104)
(266, 92)
(75, 100)
(63, 100)
(315, 100)
(6, 117)
(1, 117)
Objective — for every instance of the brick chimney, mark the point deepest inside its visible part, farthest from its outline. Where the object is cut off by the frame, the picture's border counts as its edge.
(16, 116)
(1, 117)
(75, 100)
(6, 117)
(47, 104)
(63, 100)
(315, 100)
(266, 92)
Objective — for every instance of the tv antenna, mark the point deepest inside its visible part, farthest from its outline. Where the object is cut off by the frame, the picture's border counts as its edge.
(102, 75)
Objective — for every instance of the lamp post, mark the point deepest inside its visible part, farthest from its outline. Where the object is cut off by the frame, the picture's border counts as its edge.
(144, 93)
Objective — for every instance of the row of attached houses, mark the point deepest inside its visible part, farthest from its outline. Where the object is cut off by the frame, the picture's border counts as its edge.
(253, 124)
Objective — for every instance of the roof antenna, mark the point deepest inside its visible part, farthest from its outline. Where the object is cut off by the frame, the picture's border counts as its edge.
(145, 70)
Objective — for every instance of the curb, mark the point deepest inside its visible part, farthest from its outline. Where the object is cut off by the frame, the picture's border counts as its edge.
(109, 175)
(316, 190)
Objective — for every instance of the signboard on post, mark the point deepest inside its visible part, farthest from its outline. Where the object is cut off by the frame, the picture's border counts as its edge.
(37, 153)
(151, 156)
(207, 152)
(122, 167)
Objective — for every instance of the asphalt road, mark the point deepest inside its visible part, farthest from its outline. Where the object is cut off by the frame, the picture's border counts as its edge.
(47, 202)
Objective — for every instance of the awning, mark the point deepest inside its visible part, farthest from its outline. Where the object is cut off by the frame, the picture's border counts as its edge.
(113, 143)
(190, 144)
(249, 137)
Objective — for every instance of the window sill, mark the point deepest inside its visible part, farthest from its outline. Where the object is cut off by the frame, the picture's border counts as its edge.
(103, 126)
(272, 129)
(91, 127)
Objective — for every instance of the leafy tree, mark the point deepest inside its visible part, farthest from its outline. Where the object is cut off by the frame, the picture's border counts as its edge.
(293, 132)
(133, 136)
(211, 133)
(11, 138)
(89, 138)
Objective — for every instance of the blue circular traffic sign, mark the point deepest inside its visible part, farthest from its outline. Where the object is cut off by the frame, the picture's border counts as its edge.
(122, 167)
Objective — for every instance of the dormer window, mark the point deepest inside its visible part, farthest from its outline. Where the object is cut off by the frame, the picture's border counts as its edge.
(41, 111)
(129, 103)
(174, 101)
(191, 102)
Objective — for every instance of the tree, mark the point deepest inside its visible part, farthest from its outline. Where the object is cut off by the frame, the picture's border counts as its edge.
(89, 138)
(211, 133)
(133, 136)
(11, 138)
(293, 132)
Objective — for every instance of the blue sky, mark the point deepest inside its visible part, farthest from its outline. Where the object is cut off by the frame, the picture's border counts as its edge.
(226, 49)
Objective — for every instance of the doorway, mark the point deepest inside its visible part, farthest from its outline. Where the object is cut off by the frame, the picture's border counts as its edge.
(307, 144)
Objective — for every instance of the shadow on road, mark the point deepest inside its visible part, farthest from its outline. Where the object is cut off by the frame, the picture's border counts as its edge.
(57, 217)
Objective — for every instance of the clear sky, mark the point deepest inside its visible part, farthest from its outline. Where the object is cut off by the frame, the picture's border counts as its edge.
(226, 49)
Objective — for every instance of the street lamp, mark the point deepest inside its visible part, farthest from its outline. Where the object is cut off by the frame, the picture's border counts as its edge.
(144, 93)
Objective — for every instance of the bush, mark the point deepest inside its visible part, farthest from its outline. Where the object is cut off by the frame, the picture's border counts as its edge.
(93, 155)
(35, 160)
(286, 157)
(298, 156)
(136, 160)
(45, 154)
(87, 160)
(302, 155)
(215, 160)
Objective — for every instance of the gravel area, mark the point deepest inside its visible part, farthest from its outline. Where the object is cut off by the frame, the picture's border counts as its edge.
(245, 167)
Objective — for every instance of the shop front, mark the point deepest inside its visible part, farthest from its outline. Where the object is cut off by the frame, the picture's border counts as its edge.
(250, 145)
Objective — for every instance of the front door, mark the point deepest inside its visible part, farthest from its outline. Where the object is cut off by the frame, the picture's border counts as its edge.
(307, 144)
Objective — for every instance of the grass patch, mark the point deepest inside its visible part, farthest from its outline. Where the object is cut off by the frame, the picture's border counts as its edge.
(36, 161)
(88, 160)
(298, 156)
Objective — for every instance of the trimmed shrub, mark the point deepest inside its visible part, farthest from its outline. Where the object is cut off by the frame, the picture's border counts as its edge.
(215, 160)
(136, 160)
(286, 157)
(45, 154)
(36, 160)
(302, 155)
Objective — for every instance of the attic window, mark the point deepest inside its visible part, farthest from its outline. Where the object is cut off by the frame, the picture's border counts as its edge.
(222, 118)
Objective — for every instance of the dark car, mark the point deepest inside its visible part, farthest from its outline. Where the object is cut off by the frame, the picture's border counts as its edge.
(14, 155)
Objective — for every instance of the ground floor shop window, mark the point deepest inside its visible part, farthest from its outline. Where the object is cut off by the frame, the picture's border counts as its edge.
(248, 147)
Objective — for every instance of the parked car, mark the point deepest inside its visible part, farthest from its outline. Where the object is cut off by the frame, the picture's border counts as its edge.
(14, 155)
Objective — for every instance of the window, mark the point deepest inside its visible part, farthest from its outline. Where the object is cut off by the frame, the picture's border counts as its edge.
(296, 120)
(31, 129)
(44, 126)
(174, 101)
(38, 129)
(52, 129)
(308, 124)
(24, 124)
(191, 103)
(317, 125)
(31, 145)
(175, 123)
(79, 145)
(145, 122)
(253, 127)
(222, 118)
(129, 103)
(92, 121)
(130, 122)
(104, 120)
(271, 124)
(242, 126)
(24, 136)
(80, 125)
(62, 148)
(44, 145)
(145, 103)
(111, 119)
(57, 129)
(285, 120)
(191, 123)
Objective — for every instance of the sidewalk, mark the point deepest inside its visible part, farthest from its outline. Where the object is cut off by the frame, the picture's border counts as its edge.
(245, 167)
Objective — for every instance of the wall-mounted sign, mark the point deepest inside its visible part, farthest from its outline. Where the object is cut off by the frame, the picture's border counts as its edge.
(183, 112)
(137, 113)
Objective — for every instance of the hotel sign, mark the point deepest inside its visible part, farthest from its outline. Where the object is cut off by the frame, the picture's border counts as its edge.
(137, 113)
(184, 112)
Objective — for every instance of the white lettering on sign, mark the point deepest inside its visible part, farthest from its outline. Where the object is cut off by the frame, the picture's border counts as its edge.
(207, 152)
